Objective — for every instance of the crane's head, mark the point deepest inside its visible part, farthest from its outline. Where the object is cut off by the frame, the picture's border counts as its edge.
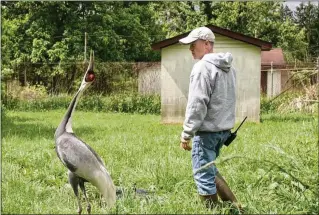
(89, 76)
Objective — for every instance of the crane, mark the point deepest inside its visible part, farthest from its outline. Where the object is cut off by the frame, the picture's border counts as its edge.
(83, 163)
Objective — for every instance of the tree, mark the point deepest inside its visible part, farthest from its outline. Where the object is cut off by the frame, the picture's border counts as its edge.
(286, 13)
(307, 17)
(43, 42)
(179, 16)
(263, 20)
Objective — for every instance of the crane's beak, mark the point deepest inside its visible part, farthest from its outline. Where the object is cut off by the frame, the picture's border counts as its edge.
(89, 76)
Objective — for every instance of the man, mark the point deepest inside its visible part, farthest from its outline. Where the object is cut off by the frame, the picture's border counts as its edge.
(210, 113)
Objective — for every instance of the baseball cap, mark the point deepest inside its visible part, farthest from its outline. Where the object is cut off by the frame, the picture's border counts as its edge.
(203, 33)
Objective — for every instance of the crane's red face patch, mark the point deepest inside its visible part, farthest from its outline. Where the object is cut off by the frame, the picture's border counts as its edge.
(90, 77)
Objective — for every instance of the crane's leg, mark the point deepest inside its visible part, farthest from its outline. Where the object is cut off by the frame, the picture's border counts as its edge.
(86, 198)
(74, 181)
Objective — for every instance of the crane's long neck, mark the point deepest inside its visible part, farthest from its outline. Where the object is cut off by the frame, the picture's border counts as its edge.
(66, 123)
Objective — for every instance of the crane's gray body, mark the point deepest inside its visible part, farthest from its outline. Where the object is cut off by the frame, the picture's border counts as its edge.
(77, 156)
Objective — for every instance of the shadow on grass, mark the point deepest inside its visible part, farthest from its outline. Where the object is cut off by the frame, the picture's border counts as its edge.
(31, 128)
(294, 117)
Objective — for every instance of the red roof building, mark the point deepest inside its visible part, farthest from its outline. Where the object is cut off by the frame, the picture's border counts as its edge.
(273, 59)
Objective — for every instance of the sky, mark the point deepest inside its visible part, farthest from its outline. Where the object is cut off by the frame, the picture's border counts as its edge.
(293, 4)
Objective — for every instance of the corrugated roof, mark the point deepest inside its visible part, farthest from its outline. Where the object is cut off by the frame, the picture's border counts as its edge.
(234, 35)
(274, 55)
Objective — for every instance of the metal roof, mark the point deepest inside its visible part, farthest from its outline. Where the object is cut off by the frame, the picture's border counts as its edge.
(275, 56)
(265, 46)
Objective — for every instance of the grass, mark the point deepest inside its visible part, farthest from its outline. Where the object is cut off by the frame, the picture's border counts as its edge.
(272, 166)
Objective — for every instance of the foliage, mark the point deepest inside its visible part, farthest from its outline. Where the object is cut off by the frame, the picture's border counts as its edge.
(177, 17)
(266, 22)
(307, 17)
(124, 103)
(44, 40)
(269, 21)
(269, 165)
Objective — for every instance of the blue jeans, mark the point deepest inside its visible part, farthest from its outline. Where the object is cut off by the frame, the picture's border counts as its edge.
(206, 147)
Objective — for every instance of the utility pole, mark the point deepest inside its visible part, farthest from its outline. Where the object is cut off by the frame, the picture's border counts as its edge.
(85, 43)
(85, 63)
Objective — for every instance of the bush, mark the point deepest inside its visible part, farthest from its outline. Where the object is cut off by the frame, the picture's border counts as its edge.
(124, 103)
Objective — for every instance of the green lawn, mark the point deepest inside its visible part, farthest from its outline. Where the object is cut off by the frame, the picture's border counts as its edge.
(272, 166)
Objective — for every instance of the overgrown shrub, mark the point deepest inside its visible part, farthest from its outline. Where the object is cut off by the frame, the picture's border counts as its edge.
(269, 105)
(33, 92)
(305, 100)
(16, 94)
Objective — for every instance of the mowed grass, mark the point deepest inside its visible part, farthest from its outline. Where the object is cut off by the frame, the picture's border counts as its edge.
(272, 166)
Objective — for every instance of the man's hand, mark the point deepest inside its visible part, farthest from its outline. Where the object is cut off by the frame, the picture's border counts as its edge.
(185, 144)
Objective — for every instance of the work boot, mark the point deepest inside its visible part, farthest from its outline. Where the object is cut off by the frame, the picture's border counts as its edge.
(225, 193)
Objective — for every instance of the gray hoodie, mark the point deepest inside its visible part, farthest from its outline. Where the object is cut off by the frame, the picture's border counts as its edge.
(211, 98)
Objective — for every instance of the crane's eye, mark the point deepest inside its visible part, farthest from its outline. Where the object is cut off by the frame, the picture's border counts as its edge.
(90, 76)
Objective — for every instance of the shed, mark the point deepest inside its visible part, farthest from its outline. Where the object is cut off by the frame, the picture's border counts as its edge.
(177, 63)
(273, 77)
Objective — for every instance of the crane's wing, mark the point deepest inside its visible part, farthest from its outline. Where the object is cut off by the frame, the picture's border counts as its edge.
(75, 154)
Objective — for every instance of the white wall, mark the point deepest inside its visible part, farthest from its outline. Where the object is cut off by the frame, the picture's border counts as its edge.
(177, 64)
(273, 83)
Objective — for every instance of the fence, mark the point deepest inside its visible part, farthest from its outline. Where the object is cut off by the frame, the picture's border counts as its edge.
(143, 77)
(111, 77)
(276, 80)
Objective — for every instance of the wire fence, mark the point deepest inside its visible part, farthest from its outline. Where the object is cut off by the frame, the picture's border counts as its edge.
(144, 77)
(277, 81)
(111, 77)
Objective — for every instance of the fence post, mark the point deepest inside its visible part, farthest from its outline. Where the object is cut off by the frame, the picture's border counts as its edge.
(317, 69)
(25, 73)
(272, 80)
(85, 42)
